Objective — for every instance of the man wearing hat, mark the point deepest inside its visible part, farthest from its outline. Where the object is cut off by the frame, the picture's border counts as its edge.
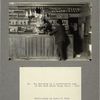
(61, 40)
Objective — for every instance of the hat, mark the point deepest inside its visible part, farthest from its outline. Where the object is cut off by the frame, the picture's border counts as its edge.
(59, 21)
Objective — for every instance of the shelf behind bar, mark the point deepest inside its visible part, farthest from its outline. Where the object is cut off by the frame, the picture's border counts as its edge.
(47, 4)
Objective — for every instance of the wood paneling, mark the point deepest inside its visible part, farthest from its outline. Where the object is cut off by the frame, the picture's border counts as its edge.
(34, 46)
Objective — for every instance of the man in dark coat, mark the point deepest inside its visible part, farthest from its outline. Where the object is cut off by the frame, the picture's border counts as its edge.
(47, 26)
(61, 40)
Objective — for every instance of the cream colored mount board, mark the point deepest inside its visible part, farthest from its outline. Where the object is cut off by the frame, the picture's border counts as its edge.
(50, 83)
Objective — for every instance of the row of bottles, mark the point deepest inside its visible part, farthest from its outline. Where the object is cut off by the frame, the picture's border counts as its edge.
(25, 22)
(57, 15)
(51, 13)
(53, 22)
(18, 22)
(64, 10)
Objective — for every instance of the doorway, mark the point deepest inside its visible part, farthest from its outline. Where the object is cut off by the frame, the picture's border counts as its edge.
(77, 40)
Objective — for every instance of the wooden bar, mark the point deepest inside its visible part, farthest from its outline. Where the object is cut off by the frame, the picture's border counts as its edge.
(30, 46)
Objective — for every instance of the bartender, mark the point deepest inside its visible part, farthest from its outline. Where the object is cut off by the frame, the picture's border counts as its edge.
(47, 26)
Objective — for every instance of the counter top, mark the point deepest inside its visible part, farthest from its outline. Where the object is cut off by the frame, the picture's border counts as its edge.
(30, 34)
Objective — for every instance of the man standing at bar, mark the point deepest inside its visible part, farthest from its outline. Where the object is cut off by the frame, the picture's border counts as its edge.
(61, 40)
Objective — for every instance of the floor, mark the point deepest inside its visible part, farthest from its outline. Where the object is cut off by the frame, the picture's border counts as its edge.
(81, 57)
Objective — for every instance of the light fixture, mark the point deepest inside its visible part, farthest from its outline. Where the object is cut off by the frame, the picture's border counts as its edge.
(26, 14)
(30, 14)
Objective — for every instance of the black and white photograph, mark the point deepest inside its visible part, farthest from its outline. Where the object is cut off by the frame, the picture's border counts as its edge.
(49, 49)
(46, 31)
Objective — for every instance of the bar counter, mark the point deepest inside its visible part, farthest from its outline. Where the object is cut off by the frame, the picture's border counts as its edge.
(30, 46)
